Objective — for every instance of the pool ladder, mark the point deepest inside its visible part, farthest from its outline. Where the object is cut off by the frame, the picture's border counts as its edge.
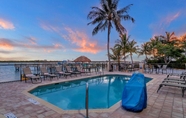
(86, 100)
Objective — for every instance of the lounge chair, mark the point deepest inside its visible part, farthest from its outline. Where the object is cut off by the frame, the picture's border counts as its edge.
(182, 86)
(28, 75)
(60, 72)
(45, 73)
(68, 70)
(174, 82)
(80, 70)
(179, 80)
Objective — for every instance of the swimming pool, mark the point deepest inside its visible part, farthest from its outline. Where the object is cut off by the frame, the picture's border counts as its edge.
(104, 91)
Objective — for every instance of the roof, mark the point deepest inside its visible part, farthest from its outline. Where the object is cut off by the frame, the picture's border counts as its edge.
(82, 59)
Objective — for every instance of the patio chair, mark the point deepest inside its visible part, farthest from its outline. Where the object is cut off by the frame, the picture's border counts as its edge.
(60, 72)
(45, 73)
(68, 70)
(28, 75)
(174, 82)
(182, 86)
(181, 77)
(180, 80)
(79, 69)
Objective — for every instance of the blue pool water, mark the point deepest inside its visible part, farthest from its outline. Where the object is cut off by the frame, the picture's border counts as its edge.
(104, 92)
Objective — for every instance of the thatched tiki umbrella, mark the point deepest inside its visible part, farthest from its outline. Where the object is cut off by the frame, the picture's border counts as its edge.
(82, 59)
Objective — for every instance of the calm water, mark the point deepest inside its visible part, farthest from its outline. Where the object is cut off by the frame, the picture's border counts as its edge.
(8, 73)
(104, 92)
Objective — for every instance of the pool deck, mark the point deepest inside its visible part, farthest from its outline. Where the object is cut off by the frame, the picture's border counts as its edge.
(167, 103)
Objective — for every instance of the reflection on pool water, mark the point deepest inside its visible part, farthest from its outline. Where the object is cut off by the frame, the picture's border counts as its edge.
(104, 92)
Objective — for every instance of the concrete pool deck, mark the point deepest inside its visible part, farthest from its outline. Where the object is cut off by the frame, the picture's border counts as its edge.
(167, 103)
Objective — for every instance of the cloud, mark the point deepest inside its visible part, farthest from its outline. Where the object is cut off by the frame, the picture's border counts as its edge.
(51, 48)
(4, 24)
(13, 58)
(50, 27)
(81, 42)
(32, 40)
(160, 26)
(5, 52)
(6, 44)
(30, 43)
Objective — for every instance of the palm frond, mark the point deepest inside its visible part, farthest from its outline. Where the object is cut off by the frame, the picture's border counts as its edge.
(104, 25)
(119, 28)
(104, 5)
(127, 17)
(115, 4)
(124, 10)
(96, 29)
(97, 20)
(109, 2)
(96, 12)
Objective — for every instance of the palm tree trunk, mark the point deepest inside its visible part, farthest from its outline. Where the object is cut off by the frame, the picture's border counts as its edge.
(131, 58)
(146, 57)
(118, 64)
(108, 47)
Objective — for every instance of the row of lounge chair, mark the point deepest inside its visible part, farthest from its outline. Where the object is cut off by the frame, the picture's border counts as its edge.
(179, 82)
(37, 78)
(148, 68)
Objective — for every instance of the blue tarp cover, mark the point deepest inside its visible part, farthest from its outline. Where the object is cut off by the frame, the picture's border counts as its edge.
(135, 94)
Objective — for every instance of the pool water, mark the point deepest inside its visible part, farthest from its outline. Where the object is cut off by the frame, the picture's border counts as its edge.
(104, 92)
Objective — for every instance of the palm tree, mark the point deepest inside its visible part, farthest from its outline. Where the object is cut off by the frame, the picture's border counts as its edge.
(124, 45)
(153, 44)
(133, 48)
(107, 16)
(116, 55)
(145, 50)
(183, 43)
(170, 38)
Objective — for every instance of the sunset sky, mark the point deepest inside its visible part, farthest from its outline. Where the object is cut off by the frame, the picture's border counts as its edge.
(58, 30)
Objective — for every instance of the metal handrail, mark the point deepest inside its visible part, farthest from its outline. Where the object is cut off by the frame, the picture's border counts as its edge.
(86, 100)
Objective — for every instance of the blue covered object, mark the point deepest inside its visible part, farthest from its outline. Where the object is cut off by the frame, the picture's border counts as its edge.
(135, 94)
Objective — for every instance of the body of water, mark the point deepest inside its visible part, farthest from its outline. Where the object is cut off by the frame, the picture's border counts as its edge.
(8, 73)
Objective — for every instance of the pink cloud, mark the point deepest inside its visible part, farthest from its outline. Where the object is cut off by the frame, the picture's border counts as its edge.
(160, 26)
(82, 41)
(170, 18)
(79, 38)
(52, 48)
(50, 27)
(32, 40)
(6, 44)
(4, 24)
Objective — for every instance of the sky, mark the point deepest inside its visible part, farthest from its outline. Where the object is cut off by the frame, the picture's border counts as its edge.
(58, 30)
